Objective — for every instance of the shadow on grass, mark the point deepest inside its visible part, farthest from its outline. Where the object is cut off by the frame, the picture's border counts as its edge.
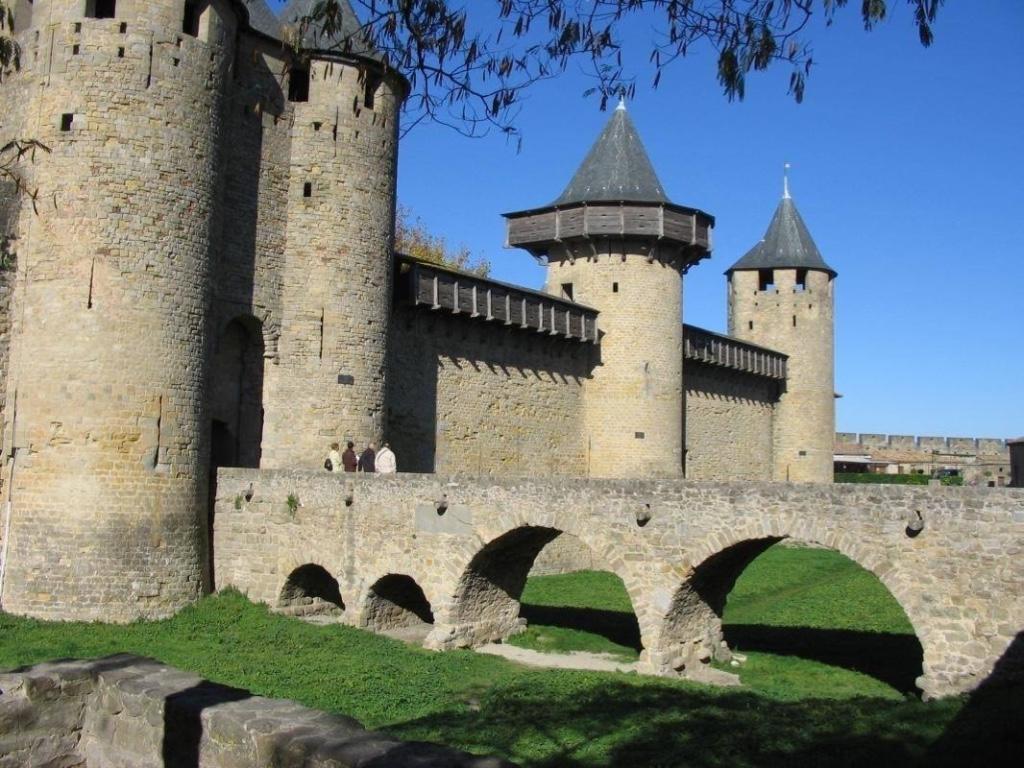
(894, 659)
(586, 722)
(989, 730)
(618, 626)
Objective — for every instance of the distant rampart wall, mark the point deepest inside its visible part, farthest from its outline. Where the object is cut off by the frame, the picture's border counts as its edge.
(966, 445)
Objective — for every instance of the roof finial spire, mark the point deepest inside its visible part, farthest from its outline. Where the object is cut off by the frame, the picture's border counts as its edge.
(785, 181)
(622, 103)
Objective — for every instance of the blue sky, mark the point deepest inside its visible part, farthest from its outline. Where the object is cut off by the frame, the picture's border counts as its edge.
(908, 168)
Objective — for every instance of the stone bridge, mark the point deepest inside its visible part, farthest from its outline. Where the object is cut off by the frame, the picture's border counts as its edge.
(451, 554)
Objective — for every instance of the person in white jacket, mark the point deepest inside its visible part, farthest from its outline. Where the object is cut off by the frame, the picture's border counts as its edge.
(386, 464)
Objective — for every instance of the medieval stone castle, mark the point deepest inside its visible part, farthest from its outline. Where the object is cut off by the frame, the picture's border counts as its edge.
(206, 279)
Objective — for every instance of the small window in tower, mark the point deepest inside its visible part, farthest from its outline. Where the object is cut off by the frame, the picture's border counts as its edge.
(765, 279)
(370, 86)
(298, 84)
(794, 321)
(803, 453)
(750, 325)
(639, 435)
(307, 189)
(801, 280)
(100, 9)
(190, 23)
(615, 287)
(567, 291)
(67, 120)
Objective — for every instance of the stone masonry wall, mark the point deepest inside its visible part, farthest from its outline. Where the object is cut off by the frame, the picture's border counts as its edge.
(475, 397)
(126, 711)
(328, 380)
(633, 415)
(797, 321)
(729, 422)
(469, 543)
(106, 386)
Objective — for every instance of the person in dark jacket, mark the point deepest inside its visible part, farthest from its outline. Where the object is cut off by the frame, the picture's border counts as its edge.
(349, 459)
(367, 459)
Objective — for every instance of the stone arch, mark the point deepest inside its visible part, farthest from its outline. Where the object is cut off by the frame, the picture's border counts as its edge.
(692, 634)
(310, 590)
(486, 605)
(236, 393)
(396, 603)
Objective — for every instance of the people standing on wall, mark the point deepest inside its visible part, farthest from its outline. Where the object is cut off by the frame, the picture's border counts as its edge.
(385, 462)
(349, 459)
(333, 461)
(367, 459)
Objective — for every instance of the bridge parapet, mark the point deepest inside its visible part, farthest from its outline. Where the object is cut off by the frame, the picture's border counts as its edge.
(448, 555)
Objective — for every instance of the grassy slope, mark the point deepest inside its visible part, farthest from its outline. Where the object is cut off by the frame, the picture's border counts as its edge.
(539, 718)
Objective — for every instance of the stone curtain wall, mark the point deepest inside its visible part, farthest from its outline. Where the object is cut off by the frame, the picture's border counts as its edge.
(728, 424)
(469, 543)
(484, 398)
(126, 711)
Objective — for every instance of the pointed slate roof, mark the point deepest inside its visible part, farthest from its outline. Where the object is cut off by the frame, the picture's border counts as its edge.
(348, 38)
(786, 245)
(262, 19)
(616, 169)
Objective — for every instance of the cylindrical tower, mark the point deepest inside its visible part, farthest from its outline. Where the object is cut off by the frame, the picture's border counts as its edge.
(613, 241)
(781, 296)
(328, 382)
(105, 450)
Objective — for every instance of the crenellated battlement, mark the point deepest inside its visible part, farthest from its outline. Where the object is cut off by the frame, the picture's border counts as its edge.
(950, 445)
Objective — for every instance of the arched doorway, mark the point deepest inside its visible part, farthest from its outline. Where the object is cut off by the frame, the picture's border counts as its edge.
(235, 401)
(236, 395)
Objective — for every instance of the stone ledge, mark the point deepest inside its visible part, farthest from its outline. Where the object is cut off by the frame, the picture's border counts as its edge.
(127, 710)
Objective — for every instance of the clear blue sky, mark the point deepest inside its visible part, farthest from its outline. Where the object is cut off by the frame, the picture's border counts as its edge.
(908, 167)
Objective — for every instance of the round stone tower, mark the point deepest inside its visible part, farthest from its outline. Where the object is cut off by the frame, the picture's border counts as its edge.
(336, 280)
(104, 442)
(615, 242)
(781, 297)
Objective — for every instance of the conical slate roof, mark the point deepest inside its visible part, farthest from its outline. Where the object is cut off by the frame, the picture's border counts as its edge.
(262, 19)
(786, 245)
(616, 168)
(348, 38)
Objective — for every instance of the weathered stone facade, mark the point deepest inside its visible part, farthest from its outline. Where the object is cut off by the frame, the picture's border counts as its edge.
(464, 547)
(210, 255)
(125, 711)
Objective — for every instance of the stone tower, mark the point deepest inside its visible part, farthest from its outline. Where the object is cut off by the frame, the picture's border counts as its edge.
(781, 297)
(336, 279)
(614, 241)
(105, 444)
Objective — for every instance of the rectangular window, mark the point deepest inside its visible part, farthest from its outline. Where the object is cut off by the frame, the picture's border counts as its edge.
(66, 121)
(801, 280)
(298, 84)
(750, 325)
(307, 189)
(765, 279)
(567, 291)
(190, 24)
(615, 287)
(100, 9)
(639, 435)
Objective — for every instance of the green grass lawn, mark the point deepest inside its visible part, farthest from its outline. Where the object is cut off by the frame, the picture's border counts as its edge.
(547, 718)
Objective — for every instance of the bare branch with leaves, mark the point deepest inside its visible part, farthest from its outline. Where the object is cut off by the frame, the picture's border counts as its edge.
(471, 72)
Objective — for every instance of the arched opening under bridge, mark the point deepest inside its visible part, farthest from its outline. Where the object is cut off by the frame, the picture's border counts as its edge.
(546, 590)
(310, 590)
(396, 605)
(795, 608)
